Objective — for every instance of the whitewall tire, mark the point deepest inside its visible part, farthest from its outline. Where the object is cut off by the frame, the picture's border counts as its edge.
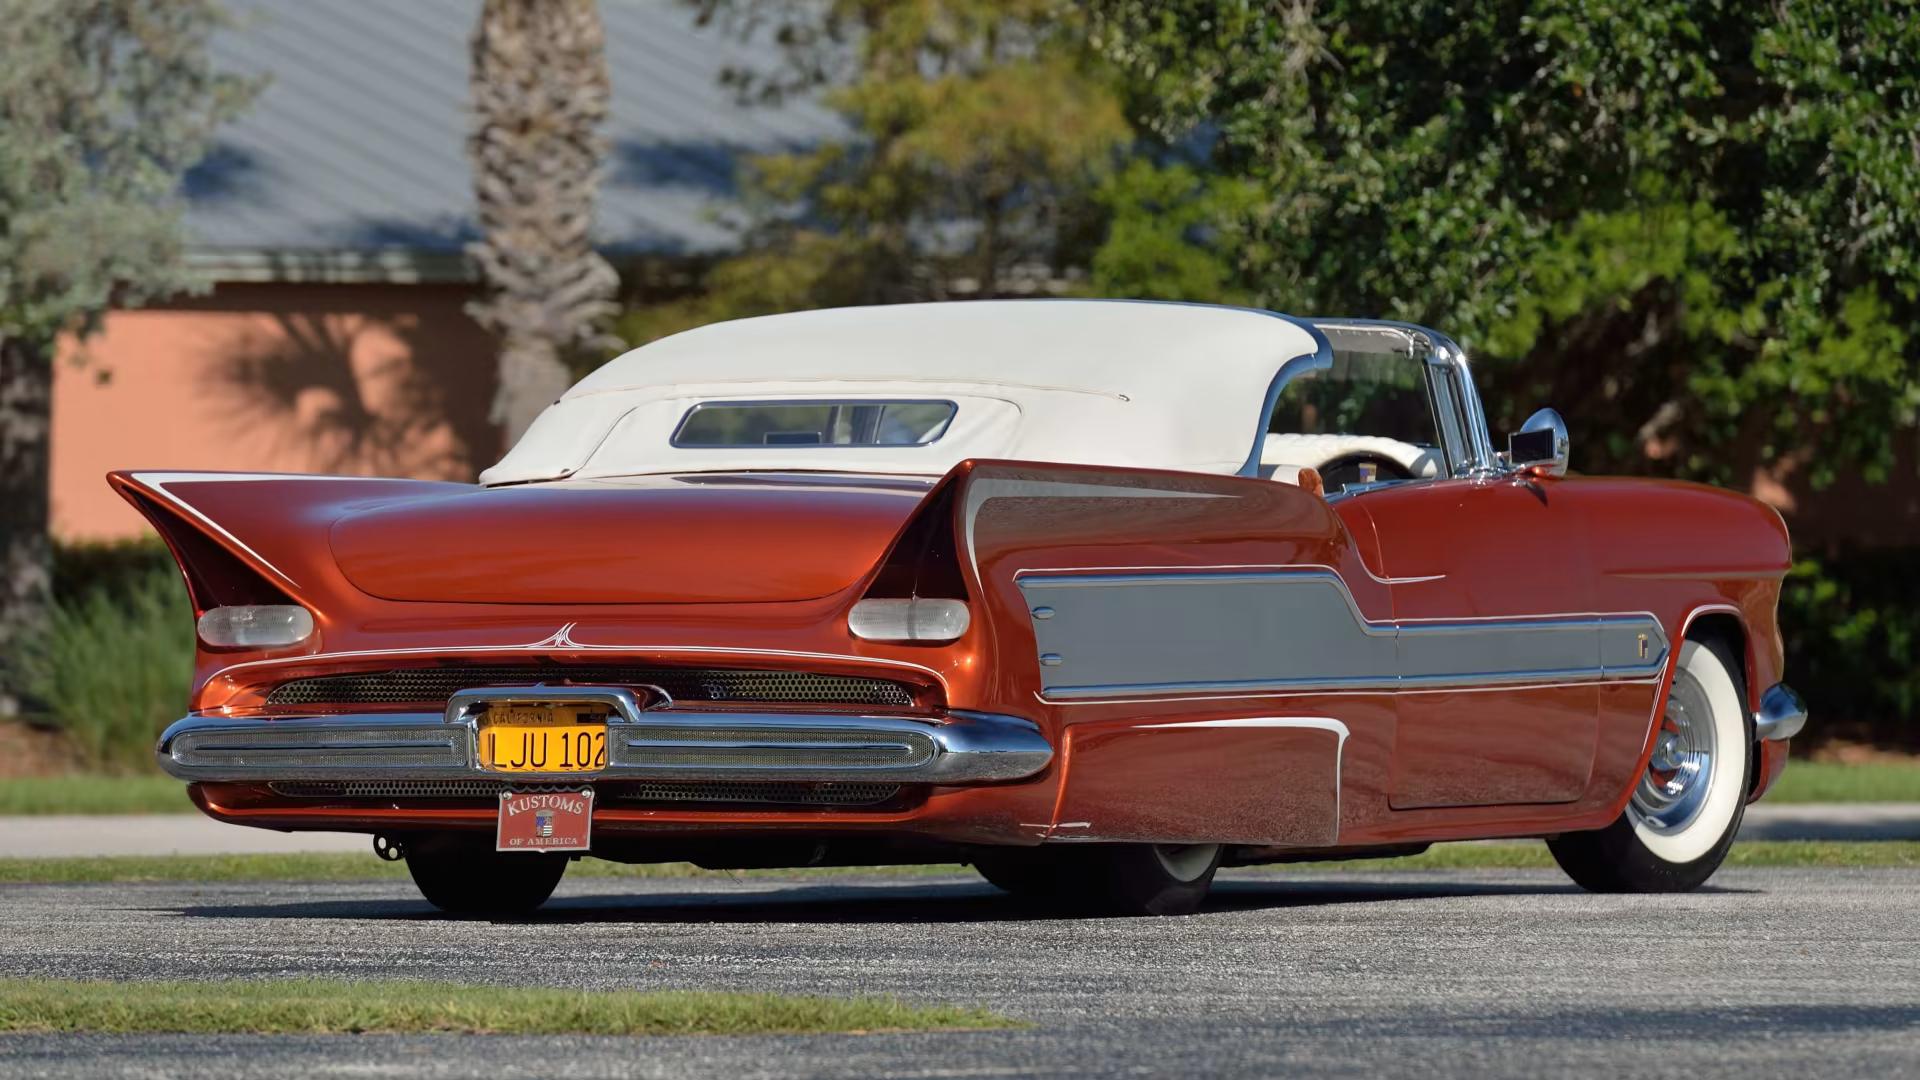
(1686, 807)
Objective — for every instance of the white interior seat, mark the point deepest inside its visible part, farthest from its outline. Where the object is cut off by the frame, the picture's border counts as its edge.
(1284, 454)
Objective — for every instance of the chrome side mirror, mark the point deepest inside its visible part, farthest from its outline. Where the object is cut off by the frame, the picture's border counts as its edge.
(1540, 445)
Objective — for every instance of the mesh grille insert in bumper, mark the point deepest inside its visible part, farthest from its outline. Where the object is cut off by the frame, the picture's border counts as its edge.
(764, 793)
(748, 747)
(437, 684)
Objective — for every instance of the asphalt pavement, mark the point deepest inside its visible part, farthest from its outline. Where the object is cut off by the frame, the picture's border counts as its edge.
(195, 834)
(1787, 973)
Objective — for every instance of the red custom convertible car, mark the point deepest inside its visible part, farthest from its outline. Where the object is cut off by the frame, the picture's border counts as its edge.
(1096, 596)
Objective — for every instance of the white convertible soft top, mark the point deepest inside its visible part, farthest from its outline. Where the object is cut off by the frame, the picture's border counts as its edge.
(1135, 385)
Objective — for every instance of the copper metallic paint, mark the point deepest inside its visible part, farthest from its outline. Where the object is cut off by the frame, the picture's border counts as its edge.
(1239, 785)
(1770, 762)
(608, 545)
(1675, 550)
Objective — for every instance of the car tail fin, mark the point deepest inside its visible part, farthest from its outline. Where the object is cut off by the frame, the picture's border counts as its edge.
(217, 575)
(924, 561)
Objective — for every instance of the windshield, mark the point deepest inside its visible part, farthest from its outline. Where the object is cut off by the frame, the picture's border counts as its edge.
(1375, 394)
(814, 423)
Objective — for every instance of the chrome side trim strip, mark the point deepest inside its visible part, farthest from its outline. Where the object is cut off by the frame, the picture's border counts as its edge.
(961, 747)
(1379, 684)
(1180, 633)
(1782, 713)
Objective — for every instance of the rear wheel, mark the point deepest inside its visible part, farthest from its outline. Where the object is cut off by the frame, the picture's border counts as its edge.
(464, 875)
(1029, 875)
(1110, 879)
(1688, 804)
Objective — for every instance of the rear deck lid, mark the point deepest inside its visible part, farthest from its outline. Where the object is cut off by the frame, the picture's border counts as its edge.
(690, 541)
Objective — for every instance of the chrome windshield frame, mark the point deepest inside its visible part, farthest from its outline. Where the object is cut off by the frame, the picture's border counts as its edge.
(1319, 359)
(1463, 420)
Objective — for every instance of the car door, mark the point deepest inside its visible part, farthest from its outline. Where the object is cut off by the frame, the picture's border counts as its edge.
(1498, 652)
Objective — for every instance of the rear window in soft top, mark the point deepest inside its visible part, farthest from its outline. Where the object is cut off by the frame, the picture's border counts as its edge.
(813, 423)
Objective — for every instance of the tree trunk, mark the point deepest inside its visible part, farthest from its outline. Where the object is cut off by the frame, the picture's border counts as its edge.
(532, 377)
(26, 405)
(538, 88)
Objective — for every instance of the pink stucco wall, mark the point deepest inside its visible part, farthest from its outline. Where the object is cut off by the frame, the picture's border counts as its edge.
(366, 379)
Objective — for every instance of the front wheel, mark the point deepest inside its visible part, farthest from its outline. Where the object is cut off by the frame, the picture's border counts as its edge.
(465, 876)
(1688, 805)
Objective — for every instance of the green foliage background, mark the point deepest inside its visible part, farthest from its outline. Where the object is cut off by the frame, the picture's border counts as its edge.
(1692, 226)
(115, 665)
(104, 105)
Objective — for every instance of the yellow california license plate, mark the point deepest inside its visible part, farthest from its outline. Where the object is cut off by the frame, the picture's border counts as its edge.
(543, 739)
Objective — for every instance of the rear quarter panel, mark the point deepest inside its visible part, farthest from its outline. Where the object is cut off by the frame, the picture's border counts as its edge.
(1251, 769)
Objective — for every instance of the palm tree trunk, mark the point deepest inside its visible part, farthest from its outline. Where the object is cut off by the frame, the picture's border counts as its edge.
(539, 92)
(26, 555)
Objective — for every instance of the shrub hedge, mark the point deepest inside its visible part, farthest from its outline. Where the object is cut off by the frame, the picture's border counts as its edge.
(1852, 628)
(116, 664)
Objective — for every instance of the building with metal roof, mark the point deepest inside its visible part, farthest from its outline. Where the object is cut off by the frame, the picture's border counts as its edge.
(350, 164)
(331, 218)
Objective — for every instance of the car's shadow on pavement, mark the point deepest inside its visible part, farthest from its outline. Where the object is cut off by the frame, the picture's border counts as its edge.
(875, 902)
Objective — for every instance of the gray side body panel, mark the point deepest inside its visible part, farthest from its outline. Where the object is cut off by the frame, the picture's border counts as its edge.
(1173, 633)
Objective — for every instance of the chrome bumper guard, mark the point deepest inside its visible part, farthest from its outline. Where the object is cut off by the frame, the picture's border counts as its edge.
(642, 744)
(1782, 713)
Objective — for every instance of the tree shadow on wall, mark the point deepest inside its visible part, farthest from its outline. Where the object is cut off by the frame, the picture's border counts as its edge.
(360, 392)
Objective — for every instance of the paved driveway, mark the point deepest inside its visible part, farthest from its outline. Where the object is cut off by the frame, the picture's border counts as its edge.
(1787, 973)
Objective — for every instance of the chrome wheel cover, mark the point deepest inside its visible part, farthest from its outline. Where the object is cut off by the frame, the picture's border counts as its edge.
(1185, 862)
(1674, 788)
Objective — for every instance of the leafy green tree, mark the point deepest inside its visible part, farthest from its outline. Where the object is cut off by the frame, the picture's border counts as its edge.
(103, 105)
(975, 129)
(1692, 225)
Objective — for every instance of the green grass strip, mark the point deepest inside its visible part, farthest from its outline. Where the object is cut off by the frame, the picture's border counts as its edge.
(1837, 853)
(94, 795)
(1533, 854)
(338, 1007)
(202, 868)
(1831, 782)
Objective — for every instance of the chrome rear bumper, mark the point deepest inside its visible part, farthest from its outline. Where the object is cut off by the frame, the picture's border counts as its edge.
(658, 744)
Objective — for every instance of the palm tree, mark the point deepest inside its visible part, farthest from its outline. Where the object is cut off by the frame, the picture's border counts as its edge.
(538, 88)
